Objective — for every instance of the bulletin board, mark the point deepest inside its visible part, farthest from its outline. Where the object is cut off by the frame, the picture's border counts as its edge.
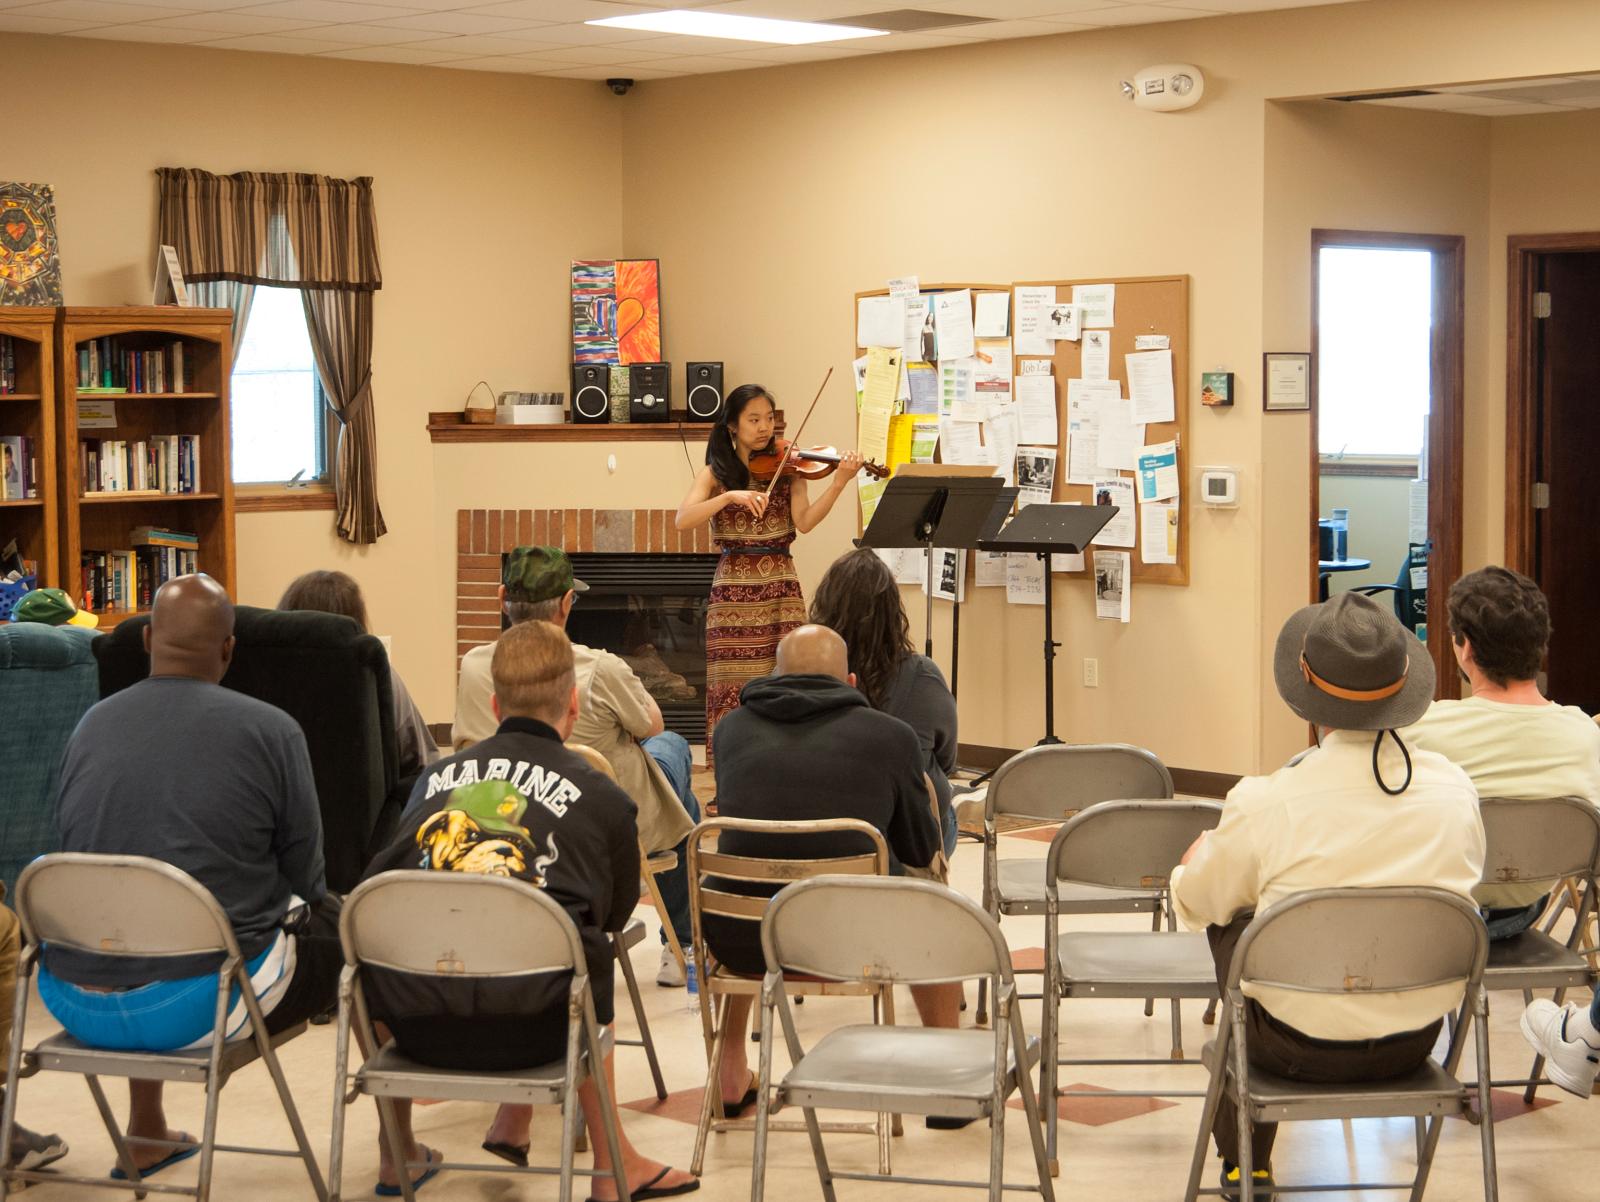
(1144, 305)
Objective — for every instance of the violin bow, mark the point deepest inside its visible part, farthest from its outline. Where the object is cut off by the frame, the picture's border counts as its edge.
(795, 441)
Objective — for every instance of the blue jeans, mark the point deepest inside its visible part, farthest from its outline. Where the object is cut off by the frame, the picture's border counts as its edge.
(1503, 924)
(671, 751)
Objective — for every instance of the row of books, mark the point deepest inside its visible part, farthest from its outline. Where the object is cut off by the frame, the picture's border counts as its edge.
(107, 365)
(19, 468)
(127, 580)
(161, 463)
(8, 364)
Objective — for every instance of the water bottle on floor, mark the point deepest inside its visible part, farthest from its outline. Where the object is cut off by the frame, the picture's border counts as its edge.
(691, 987)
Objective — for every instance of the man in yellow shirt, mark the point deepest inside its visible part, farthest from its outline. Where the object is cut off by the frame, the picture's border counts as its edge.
(1359, 810)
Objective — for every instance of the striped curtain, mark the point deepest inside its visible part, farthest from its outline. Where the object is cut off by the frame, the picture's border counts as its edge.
(298, 231)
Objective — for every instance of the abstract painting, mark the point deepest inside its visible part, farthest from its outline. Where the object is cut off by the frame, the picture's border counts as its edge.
(30, 268)
(616, 311)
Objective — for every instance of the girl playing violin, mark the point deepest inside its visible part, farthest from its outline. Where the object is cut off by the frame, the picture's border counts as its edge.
(755, 595)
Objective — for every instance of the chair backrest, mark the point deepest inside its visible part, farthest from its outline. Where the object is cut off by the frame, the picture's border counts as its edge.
(594, 759)
(884, 929)
(1128, 844)
(1354, 941)
(334, 681)
(47, 682)
(1539, 840)
(120, 906)
(457, 924)
(757, 870)
(1053, 781)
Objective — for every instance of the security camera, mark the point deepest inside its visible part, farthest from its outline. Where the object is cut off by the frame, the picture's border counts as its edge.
(620, 87)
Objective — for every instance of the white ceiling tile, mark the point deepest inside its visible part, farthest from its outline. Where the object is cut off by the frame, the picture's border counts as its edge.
(806, 54)
(1249, 6)
(808, 10)
(1529, 110)
(556, 10)
(1135, 14)
(13, 22)
(280, 43)
(454, 22)
(368, 35)
(477, 46)
(100, 11)
(573, 34)
(1008, 9)
(917, 41)
(230, 22)
(503, 63)
(692, 64)
(330, 10)
(576, 56)
(187, 5)
(143, 33)
(1511, 85)
(639, 75)
(1443, 102)
(680, 44)
(994, 30)
(393, 54)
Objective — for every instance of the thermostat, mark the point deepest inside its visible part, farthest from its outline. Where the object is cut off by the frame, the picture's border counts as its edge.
(1219, 486)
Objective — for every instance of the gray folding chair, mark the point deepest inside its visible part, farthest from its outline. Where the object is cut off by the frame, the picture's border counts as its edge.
(1131, 846)
(1339, 942)
(622, 943)
(126, 907)
(885, 932)
(457, 926)
(1541, 842)
(1051, 783)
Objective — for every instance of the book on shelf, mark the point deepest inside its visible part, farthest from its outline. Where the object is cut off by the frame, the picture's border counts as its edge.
(19, 467)
(8, 364)
(155, 536)
(126, 580)
(110, 364)
(156, 465)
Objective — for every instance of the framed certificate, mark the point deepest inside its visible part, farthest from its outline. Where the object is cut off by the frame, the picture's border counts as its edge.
(1286, 382)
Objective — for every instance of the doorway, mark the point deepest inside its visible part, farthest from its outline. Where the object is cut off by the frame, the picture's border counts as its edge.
(1552, 433)
(1387, 329)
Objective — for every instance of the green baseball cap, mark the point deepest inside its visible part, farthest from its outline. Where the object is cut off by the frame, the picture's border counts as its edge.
(535, 574)
(494, 805)
(52, 607)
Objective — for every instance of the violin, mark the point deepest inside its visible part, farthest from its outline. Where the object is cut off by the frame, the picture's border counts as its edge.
(808, 465)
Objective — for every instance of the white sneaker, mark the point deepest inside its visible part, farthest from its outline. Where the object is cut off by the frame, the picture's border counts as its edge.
(670, 975)
(1572, 1061)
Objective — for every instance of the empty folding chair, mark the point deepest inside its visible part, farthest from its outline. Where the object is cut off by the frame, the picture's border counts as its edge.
(714, 878)
(883, 933)
(1050, 783)
(135, 907)
(1541, 842)
(1344, 942)
(1133, 846)
(458, 926)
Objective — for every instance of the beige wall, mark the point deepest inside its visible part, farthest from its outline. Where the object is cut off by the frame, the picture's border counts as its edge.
(771, 196)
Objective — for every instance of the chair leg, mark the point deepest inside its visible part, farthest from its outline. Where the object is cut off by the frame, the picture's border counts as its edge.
(292, 1113)
(1209, 1018)
(654, 890)
(113, 1129)
(1537, 1070)
(711, 1095)
(758, 1158)
(608, 1105)
(896, 1126)
(8, 1111)
(632, 981)
(341, 1088)
(1155, 925)
(1491, 1171)
(1030, 1108)
(982, 1016)
(1049, 1053)
(1208, 1116)
(389, 1128)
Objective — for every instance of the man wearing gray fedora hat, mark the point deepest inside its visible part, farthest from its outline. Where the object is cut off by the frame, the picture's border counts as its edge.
(1361, 809)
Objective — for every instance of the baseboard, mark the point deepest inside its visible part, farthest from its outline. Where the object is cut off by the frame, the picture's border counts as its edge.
(1195, 782)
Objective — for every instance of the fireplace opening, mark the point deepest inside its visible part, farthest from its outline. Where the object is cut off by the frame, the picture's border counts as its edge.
(651, 611)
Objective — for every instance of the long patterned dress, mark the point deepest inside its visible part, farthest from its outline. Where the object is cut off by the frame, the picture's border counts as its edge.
(755, 600)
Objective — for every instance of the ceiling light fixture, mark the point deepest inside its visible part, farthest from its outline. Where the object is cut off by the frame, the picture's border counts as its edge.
(736, 28)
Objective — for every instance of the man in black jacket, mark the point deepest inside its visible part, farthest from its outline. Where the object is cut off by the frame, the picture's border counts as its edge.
(520, 804)
(805, 745)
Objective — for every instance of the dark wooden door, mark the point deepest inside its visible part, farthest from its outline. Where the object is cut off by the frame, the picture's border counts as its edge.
(1567, 444)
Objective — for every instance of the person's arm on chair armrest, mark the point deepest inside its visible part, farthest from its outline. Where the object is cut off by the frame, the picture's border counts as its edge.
(618, 690)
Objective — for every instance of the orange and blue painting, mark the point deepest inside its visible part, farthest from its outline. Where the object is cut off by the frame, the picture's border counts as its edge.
(30, 270)
(616, 311)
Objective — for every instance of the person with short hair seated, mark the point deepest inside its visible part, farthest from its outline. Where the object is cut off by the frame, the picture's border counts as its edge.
(1507, 737)
(1361, 810)
(218, 784)
(616, 717)
(805, 745)
(520, 804)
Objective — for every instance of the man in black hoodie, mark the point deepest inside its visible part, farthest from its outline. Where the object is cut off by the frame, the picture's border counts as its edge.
(804, 745)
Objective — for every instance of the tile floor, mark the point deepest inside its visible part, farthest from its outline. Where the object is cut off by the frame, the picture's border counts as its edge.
(1111, 1149)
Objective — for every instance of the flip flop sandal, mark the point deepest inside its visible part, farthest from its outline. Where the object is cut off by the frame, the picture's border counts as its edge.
(434, 1166)
(735, 1110)
(172, 1158)
(648, 1189)
(517, 1155)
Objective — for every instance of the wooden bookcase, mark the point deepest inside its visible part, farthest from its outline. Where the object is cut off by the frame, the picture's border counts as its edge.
(105, 521)
(30, 411)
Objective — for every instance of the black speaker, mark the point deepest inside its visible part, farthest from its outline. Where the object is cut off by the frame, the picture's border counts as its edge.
(591, 399)
(648, 392)
(702, 392)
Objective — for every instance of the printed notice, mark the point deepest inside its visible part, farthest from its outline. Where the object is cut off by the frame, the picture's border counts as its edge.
(1150, 386)
(880, 321)
(1025, 579)
(1158, 471)
(1031, 303)
(993, 315)
(1158, 532)
(1112, 586)
(1096, 355)
(952, 323)
(1099, 303)
(1119, 531)
(1036, 408)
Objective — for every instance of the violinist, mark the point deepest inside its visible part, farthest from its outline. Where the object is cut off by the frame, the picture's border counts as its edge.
(755, 595)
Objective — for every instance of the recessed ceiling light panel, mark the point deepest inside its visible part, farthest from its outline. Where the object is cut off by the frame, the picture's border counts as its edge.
(737, 28)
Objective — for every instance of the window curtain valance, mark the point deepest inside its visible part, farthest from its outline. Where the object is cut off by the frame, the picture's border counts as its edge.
(284, 230)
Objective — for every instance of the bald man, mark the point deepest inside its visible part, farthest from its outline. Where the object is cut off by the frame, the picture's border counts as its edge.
(803, 745)
(215, 783)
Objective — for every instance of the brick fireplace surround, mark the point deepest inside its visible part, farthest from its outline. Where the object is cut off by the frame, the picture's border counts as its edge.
(483, 535)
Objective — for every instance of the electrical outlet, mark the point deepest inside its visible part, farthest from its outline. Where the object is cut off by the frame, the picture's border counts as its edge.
(1091, 673)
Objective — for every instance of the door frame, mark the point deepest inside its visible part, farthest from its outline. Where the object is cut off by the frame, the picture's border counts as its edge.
(1522, 393)
(1445, 453)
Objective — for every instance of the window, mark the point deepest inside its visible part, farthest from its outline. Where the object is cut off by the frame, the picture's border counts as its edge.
(280, 421)
(1374, 342)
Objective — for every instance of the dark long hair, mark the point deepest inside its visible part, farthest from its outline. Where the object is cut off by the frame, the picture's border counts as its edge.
(326, 592)
(721, 455)
(859, 599)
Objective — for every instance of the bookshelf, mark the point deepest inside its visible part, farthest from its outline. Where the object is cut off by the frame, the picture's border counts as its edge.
(104, 520)
(27, 411)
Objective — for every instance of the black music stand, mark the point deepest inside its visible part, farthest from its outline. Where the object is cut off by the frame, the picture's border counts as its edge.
(1046, 530)
(937, 511)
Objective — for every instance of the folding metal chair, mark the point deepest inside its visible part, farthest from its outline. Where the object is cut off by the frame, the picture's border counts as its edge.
(1051, 783)
(1133, 846)
(458, 926)
(125, 907)
(1352, 941)
(1541, 842)
(719, 983)
(882, 933)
